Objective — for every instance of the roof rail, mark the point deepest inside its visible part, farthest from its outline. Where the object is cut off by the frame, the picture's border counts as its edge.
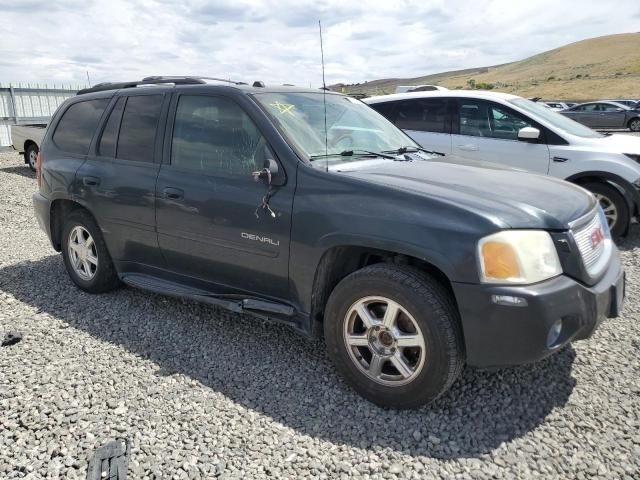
(192, 77)
(145, 81)
(154, 80)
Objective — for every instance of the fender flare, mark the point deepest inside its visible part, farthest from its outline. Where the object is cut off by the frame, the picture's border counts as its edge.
(438, 260)
(626, 188)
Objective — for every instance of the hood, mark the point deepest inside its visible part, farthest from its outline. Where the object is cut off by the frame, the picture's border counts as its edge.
(615, 143)
(507, 198)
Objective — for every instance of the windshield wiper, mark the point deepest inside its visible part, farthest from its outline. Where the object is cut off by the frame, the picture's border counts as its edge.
(353, 153)
(413, 149)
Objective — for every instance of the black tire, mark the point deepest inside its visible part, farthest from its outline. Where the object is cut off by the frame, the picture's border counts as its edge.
(611, 195)
(105, 277)
(432, 307)
(30, 155)
(634, 124)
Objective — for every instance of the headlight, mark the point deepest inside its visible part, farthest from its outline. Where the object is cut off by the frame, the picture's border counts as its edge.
(518, 257)
(633, 156)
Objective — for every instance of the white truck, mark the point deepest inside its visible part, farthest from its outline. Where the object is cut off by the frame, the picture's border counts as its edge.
(26, 140)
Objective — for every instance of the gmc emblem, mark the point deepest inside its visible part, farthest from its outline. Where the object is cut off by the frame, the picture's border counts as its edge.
(597, 236)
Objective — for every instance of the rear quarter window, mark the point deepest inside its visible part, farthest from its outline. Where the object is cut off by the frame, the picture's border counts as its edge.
(78, 124)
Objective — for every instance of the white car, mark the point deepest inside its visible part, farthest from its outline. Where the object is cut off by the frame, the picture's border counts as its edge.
(516, 132)
(26, 139)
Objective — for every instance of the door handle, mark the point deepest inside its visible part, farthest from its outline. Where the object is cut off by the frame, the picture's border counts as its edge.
(90, 181)
(173, 193)
(469, 147)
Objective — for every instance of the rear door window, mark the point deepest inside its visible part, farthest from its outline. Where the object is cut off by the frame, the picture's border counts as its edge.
(78, 124)
(423, 115)
(386, 109)
(138, 128)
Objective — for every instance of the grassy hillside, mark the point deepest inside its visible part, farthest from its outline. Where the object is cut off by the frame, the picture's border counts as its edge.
(603, 67)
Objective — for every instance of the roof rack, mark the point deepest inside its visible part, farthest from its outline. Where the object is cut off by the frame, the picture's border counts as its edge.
(154, 81)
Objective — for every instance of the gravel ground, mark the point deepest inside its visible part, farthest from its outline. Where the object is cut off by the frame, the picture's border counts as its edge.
(204, 393)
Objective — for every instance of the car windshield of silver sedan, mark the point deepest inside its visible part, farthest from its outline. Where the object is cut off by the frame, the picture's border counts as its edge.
(353, 129)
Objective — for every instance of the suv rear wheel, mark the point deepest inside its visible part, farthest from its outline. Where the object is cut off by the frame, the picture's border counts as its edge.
(85, 254)
(393, 333)
(614, 205)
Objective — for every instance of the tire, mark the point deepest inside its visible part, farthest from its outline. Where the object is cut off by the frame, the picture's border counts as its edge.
(614, 205)
(30, 155)
(96, 278)
(423, 302)
(634, 124)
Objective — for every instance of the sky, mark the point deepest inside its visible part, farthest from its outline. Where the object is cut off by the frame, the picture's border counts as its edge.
(277, 41)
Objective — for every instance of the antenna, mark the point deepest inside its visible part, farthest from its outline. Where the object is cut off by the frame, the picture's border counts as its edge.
(324, 101)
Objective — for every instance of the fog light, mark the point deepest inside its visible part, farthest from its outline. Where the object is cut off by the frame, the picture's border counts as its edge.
(554, 333)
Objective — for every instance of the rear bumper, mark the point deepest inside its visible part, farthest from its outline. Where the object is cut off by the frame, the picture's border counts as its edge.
(42, 208)
(500, 335)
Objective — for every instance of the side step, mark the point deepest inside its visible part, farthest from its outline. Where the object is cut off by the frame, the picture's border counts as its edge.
(234, 303)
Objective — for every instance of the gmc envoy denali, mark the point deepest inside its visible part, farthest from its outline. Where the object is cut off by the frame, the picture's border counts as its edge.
(310, 208)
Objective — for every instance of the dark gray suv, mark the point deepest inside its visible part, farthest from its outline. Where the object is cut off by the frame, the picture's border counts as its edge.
(310, 208)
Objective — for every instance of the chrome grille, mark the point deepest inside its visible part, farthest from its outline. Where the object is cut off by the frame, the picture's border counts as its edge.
(583, 236)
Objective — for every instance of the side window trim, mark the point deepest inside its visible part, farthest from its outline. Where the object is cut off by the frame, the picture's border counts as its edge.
(95, 145)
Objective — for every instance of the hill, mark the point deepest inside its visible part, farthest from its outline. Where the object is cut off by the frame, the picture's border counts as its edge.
(596, 68)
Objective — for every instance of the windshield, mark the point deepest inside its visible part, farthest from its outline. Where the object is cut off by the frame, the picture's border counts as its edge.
(555, 119)
(351, 125)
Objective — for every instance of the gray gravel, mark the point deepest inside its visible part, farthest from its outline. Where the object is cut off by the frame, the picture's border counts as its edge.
(203, 393)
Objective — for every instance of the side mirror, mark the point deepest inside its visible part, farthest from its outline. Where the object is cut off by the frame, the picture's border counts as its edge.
(619, 109)
(268, 173)
(528, 134)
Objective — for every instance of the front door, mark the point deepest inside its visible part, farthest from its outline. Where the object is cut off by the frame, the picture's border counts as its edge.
(210, 220)
(488, 132)
(117, 181)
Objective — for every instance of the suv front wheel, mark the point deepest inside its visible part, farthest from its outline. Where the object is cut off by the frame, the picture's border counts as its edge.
(85, 254)
(393, 333)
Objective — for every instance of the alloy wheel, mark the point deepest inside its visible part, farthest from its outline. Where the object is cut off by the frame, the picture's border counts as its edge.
(384, 341)
(82, 253)
(610, 210)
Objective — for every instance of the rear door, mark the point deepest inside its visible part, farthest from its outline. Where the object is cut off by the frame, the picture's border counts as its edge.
(117, 182)
(587, 114)
(488, 131)
(427, 121)
(210, 222)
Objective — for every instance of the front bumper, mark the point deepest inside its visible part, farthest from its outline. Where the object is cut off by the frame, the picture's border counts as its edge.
(500, 335)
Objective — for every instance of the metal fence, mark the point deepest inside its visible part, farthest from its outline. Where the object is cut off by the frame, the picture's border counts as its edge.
(30, 103)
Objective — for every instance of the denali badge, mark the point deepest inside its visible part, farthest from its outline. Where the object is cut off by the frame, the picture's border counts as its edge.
(597, 236)
(258, 238)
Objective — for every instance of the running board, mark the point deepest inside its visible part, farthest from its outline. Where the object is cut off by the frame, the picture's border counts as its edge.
(235, 303)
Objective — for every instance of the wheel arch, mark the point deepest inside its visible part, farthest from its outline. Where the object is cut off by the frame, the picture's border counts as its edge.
(626, 189)
(338, 261)
(59, 210)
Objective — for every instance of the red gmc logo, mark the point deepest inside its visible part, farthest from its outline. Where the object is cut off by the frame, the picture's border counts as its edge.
(597, 236)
